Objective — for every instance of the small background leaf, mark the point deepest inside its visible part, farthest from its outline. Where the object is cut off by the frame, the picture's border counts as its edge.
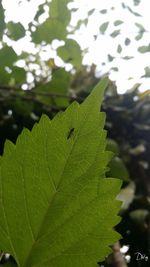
(118, 22)
(71, 53)
(6, 60)
(115, 33)
(104, 27)
(119, 49)
(57, 86)
(127, 41)
(2, 22)
(16, 30)
(144, 49)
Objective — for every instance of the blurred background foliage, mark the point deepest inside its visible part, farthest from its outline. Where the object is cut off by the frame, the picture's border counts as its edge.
(50, 78)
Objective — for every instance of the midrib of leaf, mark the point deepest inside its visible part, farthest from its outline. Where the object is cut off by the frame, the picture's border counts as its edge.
(68, 219)
(82, 123)
(82, 189)
(48, 164)
(26, 206)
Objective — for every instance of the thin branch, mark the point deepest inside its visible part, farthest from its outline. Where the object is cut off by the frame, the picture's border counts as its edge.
(35, 93)
(1, 255)
(52, 94)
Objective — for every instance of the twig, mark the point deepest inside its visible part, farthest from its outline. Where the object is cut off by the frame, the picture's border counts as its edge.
(36, 93)
(1, 255)
(117, 258)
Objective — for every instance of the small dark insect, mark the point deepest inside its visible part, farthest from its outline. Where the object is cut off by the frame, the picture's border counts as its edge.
(70, 133)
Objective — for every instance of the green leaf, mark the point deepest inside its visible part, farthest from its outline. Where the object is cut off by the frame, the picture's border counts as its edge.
(60, 11)
(123, 5)
(103, 11)
(127, 41)
(22, 107)
(7, 56)
(144, 49)
(2, 21)
(136, 2)
(147, 72)
(57, 88)
(118, 169)
(15, 30)
(118, 22)
(90, 12)
(119, 49)
(80, 23)
(112, 146)
(114, 69)
(4, 76)
(140, 26)
(71, 53)
(19, 74)
(127, 195)
(127, 57)
(133, 12)
(115, 33)
(57, 208)
(141, 31)
(139, 36)
(48, 31)
(110, 58)
(139, 216)
(39, 12)
(104, 27)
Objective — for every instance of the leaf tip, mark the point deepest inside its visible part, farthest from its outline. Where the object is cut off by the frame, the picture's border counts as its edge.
(100, 87)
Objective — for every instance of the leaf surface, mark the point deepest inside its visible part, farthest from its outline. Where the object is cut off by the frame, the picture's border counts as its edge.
(6, 60)
(118, 22)
(144, 49)
(57, 208)
(55, 26)
(71, 53)
(57, 86)
(104, 27)
(2, 20)
(48, 31)
(15, 30)
(59, 10)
